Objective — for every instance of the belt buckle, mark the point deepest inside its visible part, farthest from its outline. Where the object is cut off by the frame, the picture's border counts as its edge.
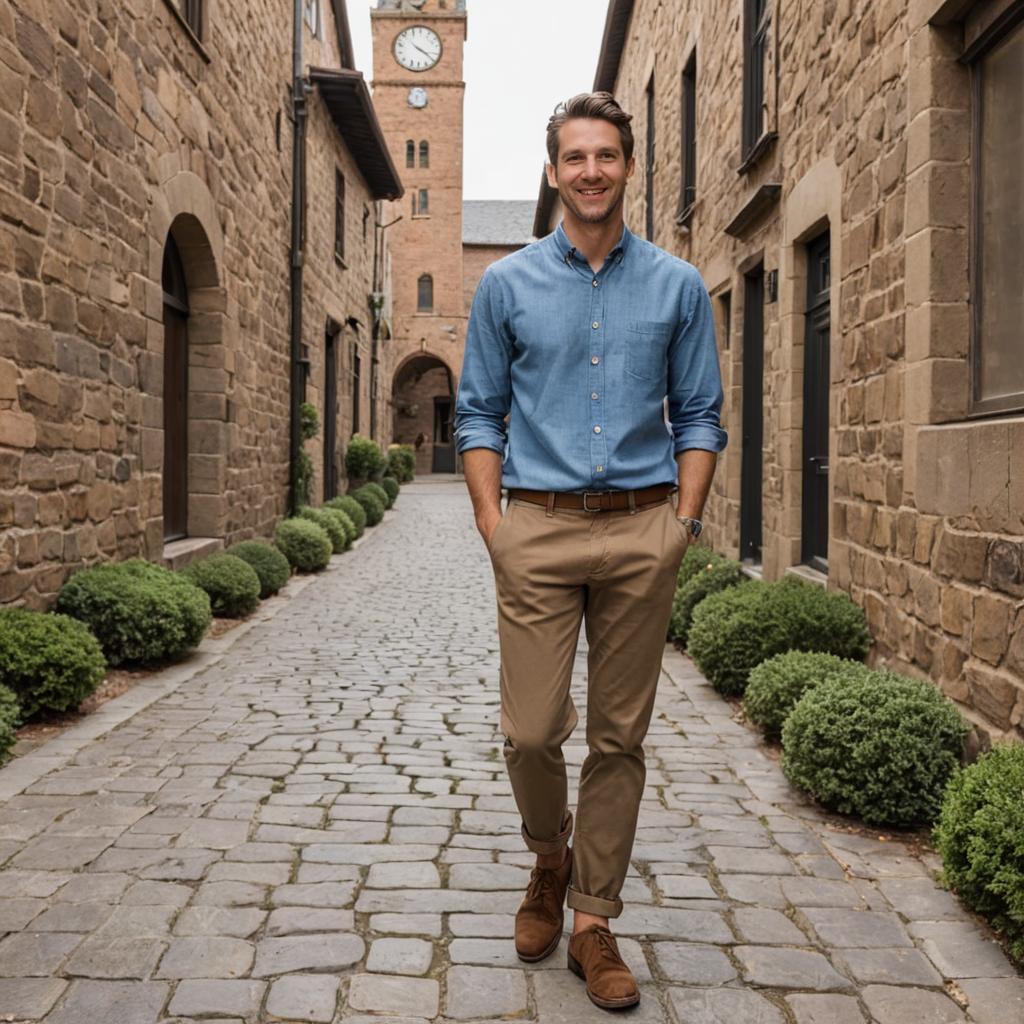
(596, 494)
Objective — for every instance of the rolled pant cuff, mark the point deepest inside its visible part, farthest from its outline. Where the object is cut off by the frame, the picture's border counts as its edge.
(596, 905)
(549, 845)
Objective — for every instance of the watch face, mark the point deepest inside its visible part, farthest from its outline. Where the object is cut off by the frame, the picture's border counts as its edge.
(417, 48)
(417, 97)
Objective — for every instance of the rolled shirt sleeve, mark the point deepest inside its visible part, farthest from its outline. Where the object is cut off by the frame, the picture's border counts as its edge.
(694, 379)
(485, 390)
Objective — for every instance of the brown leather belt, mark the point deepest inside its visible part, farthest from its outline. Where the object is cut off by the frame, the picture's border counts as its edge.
(596, 501)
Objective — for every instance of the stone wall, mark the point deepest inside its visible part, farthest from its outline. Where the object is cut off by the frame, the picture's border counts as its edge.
(870, 113)
(117, 127)
(475, 260)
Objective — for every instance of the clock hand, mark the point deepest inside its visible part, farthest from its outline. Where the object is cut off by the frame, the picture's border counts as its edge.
(429, 56)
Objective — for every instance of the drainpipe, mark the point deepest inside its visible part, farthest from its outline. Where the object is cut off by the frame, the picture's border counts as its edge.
(376, 300)
(299, 114)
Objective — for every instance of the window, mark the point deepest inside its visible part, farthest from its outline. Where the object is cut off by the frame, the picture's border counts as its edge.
(424, 202)
(997, 267)
(424, 154)
(425, 294)
(191, 12)
(650, 159)
(366, 219)
(339, 215)
(755, 43)
(688, 191)
(410, 153)
(311, 12)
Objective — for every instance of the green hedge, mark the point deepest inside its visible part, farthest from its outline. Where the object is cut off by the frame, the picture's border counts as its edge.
(980, 835)
(696, 559)
(372, 506)
(267, 562)
(714, 577)
(738, 628)
(344, 520)
(306, 545)
(382, 495)
(390, 485)
(363, 459)
(882, 747)
(49, 662)
(232, 585)
(352, 509)
(777, 684)
(402, 462)
(324, 518)
(10, 718)
(139, 612)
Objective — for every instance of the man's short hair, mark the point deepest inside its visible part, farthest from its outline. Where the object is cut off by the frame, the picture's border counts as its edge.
(601, 106)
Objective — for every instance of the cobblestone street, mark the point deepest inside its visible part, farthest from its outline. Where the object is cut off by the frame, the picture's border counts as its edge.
(317, 826)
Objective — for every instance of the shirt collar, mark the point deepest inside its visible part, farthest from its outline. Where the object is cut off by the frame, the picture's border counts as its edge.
(566, 250)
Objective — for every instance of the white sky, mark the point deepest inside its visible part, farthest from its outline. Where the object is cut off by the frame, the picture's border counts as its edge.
(522, 57)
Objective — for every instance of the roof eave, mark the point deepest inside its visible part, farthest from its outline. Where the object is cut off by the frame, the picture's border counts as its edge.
(616, 26)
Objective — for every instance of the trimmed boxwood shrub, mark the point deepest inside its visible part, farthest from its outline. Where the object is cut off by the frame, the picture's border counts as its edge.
(139, 612)
(777, 684)
(738, 628)
(372, 505)
(324, 518)
(352, 509)
(696, 559)
(381, 494)
(343, 520)
(305, 544)
(267, 562)
(882, 747)
(363, 459)
(714, 577)
(49, 662)
(232, 585)
(10, 717)
(980, 835)
(402, 462)
(390, 486)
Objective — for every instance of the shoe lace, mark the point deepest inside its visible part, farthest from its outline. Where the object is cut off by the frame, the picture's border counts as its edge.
(607, 946)
(542, 881)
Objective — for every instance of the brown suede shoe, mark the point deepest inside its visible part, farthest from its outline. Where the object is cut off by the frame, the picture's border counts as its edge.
(594, 956)
(540, 915)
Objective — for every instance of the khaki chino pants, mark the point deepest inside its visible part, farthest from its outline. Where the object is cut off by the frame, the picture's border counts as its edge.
(616, 572)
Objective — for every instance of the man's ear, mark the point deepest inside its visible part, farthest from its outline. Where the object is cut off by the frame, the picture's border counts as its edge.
(549, 170)
(630, 167)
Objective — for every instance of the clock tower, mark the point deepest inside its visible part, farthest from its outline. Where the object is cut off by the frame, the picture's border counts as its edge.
(418, 92)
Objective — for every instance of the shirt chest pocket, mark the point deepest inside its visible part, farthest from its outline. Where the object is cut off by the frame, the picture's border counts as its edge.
(647, 348)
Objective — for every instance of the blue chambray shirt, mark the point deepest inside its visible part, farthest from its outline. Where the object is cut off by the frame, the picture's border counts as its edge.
(582, 363)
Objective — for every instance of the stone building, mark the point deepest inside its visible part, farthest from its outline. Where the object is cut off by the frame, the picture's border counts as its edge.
(846, 178)
(440, 243)
(145, 222)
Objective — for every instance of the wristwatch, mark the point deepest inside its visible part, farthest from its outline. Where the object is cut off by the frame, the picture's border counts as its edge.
(693, 525)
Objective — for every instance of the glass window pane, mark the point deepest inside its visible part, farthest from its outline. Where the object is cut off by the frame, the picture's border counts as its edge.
(1001, 279)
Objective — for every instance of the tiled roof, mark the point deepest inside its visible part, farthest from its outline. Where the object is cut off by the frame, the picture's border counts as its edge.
(497, 221)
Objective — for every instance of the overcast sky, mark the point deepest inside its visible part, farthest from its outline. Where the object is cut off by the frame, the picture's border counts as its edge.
(522, 57)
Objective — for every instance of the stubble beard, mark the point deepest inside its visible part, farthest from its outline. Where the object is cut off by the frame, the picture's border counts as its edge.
(595, 216)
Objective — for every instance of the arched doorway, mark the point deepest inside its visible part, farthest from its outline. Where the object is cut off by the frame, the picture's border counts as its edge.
(175, 470)
(424, 401)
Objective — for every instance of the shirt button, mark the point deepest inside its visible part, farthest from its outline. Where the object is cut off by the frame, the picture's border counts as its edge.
(594, 282)
(593, 395)
(600, 469)
(595, 360)
(595, 325)
(597, 430)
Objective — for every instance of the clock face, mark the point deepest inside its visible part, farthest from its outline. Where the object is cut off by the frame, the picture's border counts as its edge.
(417, 48)
(418, 97)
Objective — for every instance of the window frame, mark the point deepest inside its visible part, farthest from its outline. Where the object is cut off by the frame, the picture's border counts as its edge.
(427, 279)
(410, 153)
(688, 142)
(754, 138)
(997, 32)
(424, 203)
(339, 216)
(424, 153)
(313, 7)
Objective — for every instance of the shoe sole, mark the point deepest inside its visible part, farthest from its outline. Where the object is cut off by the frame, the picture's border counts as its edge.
(547, 952)
(622, 1003)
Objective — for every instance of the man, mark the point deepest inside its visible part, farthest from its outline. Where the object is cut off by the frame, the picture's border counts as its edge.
(574, 344)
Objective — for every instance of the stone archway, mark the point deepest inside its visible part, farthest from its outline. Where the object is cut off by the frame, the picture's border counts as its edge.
(423, 396)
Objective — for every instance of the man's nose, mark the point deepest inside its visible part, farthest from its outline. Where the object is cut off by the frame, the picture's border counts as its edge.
(593, 168)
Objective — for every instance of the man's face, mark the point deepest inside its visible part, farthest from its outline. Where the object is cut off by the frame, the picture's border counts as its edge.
(592, 171)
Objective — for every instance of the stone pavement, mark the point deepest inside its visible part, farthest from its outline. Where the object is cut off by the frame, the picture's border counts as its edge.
(317, 827)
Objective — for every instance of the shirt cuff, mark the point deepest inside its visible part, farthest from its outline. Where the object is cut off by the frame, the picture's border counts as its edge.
(709, 439)
(468, 439)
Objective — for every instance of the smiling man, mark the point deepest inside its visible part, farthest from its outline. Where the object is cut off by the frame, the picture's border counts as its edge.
(575, 343)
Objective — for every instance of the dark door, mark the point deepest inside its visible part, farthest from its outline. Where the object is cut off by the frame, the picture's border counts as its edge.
(357, 387)
(175, 474)
(816, 395)
(444, 450)
(751, 467)
(330, 416)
